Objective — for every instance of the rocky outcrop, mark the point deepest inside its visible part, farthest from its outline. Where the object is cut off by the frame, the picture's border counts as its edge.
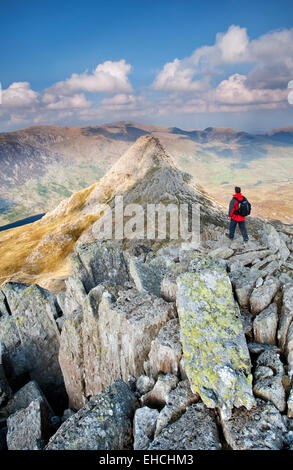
(216, 357)
(104, 423)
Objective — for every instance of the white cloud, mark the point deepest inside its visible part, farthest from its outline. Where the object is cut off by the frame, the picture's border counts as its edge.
(19, 95)
(269, 63)
(108, 77)
(66, 102)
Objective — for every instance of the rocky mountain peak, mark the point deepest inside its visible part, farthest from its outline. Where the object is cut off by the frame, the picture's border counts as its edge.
(146, 153)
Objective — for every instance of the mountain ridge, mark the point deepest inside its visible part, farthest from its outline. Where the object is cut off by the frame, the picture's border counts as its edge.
(41, 165)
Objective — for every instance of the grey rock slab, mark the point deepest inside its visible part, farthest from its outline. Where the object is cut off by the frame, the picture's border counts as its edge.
(29, 428)
(104, 423)
(286, 316)
(23, 397)
(34, 315)
(215, 352)
(261, 428)
(97, 262)
(262, 296)
(196, 429)
(265, 325)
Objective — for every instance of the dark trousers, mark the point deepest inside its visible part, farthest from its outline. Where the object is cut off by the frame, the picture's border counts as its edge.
(242, 227)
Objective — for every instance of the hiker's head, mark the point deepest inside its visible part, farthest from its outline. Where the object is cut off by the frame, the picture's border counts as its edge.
(237, 190)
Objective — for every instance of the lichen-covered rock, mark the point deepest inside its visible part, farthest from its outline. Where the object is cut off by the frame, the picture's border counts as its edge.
(23, 397)
(261, 428)
(97, 262)
(29, 428)
(158, 395)
(177, 401)
(90, 342)
(196, 429)
(71, 359)
(34, 311)
(262, 296)
(104, 423)
(166, 350)
(216, 357)
(265, 325)
(286, 316)
(144, 427)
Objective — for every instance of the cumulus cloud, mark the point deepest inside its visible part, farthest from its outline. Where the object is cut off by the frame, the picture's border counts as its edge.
(109, 77)
(19, 95)
(197, 79)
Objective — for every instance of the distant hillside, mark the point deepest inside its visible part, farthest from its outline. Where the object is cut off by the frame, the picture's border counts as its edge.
(39, 166)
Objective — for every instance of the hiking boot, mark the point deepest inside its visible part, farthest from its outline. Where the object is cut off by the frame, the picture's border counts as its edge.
(228, 236)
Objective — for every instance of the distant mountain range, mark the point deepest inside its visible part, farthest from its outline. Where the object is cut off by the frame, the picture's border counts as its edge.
(40, 166)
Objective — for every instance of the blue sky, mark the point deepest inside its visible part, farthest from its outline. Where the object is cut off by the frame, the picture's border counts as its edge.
(190, 63)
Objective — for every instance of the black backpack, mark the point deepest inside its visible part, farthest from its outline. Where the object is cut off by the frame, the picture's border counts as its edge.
(244, 207)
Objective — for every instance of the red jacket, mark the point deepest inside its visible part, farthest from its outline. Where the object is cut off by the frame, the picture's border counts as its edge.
(234, 207)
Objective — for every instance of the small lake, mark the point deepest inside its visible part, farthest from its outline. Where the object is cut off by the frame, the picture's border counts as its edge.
(21, 222)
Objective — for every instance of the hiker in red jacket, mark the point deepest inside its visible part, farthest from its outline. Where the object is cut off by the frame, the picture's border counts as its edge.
(235, 218)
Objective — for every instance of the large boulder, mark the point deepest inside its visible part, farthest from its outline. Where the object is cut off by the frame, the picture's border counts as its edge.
(196, 429)
(23, 398)
(261, 428)
(216, 356)
(104, 423)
